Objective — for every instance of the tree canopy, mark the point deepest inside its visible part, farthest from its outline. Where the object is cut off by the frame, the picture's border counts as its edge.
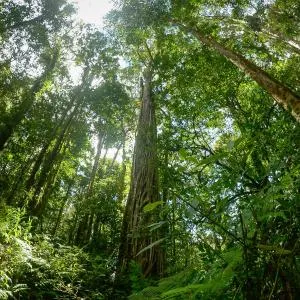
(155, 158)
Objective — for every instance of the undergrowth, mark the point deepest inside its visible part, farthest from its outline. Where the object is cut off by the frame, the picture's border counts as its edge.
(218, 283)
(36, 267)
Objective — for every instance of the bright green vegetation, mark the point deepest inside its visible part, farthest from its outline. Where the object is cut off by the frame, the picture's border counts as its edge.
(158, 158)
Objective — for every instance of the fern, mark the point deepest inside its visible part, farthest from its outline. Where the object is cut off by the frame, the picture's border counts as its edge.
(4, 294)
(7, 294)
(192, 284)
(19, 287)
(179, 280)
(186, 292)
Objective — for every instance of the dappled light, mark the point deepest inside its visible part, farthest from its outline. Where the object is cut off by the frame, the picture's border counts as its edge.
(149, 149)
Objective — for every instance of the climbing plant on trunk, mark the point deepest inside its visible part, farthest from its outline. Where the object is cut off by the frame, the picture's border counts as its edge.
(138, 243)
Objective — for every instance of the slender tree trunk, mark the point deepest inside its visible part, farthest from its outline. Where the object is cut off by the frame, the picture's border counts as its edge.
(84, 223)
(109, 168)
(121, 187)
(72, 231)
(103, 170)
(135, 235)
(173, 232)
(37, 208)
(267, 31)
(10, 200)
(278, 36)
(14, 119)
(88, 235)
(61, 209)
(282, 94)
(50, 159)
(96, 163)
(38, 162)
(47, 167)
(96, 227)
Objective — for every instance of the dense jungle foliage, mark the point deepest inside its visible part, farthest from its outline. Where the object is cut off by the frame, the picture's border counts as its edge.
(157, 157)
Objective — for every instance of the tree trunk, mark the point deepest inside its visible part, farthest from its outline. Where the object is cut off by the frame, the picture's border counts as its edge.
(96, 163)
(84, 223)
(267, 31)
(135, 235)
(47, 167)
(96, 226)
(15, 188)
(121, 186)
(282, 94)
(110, 167)
(88, 231)
(278, 36)
(38, 162)
(14, 119)
(61, 209)
(37, 208)
(50, 159)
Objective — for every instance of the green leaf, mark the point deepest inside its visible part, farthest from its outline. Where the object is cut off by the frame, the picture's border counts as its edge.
(275, 249)
(19, 287)
(211, 159)
(150, 246)
(150, 206)
(156, 225)
(186, 156)
(230, 145)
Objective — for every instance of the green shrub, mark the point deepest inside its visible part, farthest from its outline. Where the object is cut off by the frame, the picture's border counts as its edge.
(35, 267)
(218, 283)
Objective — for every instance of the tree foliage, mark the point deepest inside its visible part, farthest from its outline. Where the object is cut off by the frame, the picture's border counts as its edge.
(157, 158)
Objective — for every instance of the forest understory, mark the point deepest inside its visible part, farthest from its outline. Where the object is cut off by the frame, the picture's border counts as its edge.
(154, 157)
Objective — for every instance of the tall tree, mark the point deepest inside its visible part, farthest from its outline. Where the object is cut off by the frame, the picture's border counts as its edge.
(282, 94)
(11, 121)
(191, 17)
(136, 236)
